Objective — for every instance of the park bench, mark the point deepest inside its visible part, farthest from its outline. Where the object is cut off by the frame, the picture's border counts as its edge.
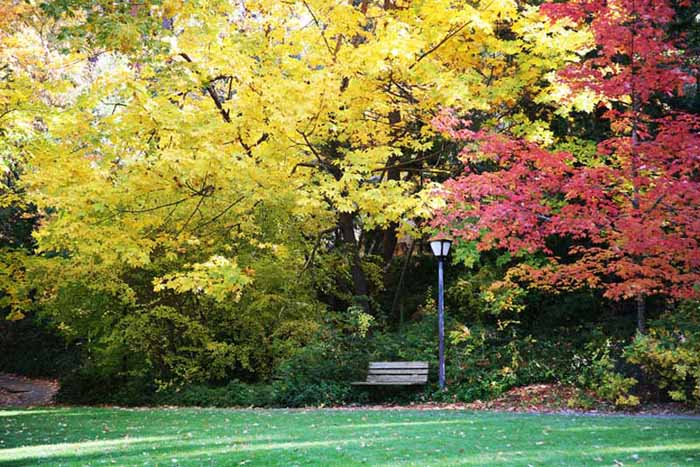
(395, 374)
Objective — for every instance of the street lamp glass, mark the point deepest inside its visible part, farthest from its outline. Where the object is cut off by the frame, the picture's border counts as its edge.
(446, 247)
(440, 247)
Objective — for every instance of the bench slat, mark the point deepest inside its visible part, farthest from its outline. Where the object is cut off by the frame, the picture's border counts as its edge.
(398, 372)
(366, 383)
(396, 379)
(399, 365)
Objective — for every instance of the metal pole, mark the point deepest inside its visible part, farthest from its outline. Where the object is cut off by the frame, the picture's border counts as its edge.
(441, 325)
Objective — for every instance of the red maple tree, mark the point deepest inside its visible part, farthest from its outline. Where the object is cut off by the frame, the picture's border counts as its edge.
(631, 221)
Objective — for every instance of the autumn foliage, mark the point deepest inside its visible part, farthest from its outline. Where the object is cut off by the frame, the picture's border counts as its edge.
(211, 191)
(625, 221)
(535, 195)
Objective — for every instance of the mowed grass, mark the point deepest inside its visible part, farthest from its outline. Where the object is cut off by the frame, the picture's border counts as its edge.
(96, 436)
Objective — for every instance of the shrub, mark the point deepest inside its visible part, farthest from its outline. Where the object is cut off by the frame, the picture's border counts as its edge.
(581, 400)
(87, 386)
(670, 353)
(486, 361)
(599, 375)
(296, 393)
(320, 373)
(234, 394)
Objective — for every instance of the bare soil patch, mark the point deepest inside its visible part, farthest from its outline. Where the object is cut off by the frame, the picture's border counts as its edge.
(20, 391)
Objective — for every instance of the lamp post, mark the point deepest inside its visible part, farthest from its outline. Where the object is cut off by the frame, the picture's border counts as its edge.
(441, 248)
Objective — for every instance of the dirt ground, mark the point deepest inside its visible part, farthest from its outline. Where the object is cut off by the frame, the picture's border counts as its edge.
(19, 391)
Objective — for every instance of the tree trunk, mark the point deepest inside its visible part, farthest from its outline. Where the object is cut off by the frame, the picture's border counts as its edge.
(390, 239)
(641, 312)
(397, 292)
(359, 280)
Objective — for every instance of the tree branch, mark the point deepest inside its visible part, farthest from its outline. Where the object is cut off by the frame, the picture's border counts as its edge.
(320, 160)
(405, 163)
(320, 28)
(218, 216)
(212, 92)
(155, 208)
(449, 36)
(189, 218)
(317, 243)
(264, 137)
(303, 164)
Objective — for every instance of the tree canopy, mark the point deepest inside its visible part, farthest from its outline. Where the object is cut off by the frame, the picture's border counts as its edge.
(191, 191)
(626, 214)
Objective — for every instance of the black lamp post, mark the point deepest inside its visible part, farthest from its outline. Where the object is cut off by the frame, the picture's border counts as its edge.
(441, 248)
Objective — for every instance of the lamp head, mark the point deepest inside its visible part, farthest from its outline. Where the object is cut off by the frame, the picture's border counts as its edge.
(441, 247)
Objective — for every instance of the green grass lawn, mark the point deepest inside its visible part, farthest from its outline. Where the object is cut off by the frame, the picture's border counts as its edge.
(94, 436)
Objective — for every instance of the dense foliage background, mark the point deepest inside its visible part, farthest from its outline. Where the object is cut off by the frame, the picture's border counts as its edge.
(229, 202)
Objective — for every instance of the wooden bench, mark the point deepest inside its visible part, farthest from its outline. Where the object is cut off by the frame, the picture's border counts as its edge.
(395, 374)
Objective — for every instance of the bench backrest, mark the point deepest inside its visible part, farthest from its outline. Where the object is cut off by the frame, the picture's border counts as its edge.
(397, 372)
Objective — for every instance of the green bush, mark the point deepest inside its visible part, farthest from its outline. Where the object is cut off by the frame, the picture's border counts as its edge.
(318, 394)
(597, 372)
(670, 353)
(416, 341)
(234, 394)
(89, 387)
(321, 372)
(615, 388)
(484, 360)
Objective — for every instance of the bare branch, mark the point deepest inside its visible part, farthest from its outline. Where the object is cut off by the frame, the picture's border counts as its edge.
(404, 164)
(658, 201)
(248, 149)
